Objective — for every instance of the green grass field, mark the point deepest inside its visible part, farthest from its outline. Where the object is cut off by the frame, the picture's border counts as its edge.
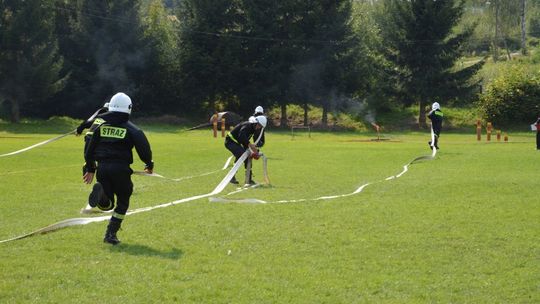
(463, 228)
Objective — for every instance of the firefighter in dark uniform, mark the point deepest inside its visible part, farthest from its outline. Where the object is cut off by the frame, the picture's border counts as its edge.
(111, 146)
(238, 140)
(436, 117)
(259, 111)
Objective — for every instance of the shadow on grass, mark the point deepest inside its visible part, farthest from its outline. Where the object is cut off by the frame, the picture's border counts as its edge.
(143, 250)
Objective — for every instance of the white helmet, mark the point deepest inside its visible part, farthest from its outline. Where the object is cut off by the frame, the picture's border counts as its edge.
(259, 109)
(106, 105)
(261, 120)
(252, 119)
(435, 106)
(120, 102)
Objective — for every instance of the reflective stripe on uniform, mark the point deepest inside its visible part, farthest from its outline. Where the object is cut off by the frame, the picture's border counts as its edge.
(98, 122)
(232, 138)
(439, 113)
(118, 215)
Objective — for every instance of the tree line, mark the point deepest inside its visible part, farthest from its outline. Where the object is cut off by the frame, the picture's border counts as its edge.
(193, 57)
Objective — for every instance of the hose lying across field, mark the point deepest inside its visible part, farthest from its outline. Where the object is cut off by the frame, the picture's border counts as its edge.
(218, 189)
(48, 140)
(86, 220)
(89, 210)
(358, 190)
(38, 144)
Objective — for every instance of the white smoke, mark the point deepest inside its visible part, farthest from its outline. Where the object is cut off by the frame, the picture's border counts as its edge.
(359, 108)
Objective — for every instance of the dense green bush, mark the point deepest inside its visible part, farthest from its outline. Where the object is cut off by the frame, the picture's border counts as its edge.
(512, 98)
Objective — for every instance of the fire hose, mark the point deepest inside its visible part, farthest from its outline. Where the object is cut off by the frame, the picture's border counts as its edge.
(48, 140)
(86, 220)
(38, 144)
(358, 190)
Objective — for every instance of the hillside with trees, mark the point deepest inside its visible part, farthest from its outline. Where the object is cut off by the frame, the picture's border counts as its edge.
(191, 58)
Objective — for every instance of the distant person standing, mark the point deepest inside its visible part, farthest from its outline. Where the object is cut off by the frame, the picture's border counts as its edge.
(238, 140)
(436, 117)
(111, 146)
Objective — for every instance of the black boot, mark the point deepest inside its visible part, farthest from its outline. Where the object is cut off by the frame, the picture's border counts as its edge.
(110, 234)
(233, 180)
(98, 198)
(95, 196)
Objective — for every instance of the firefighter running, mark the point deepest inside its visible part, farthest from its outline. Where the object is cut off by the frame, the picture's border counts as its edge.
(111, 144)
(436, 117)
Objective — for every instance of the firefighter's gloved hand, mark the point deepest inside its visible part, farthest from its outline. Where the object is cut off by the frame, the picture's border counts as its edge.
(255, 155)
(149, 168)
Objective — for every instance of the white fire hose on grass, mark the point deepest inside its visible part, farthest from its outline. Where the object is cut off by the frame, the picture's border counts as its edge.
(218, 189)
(358, 190)
(48, 140)
(38, 144)
(87, 220)
(89, 210)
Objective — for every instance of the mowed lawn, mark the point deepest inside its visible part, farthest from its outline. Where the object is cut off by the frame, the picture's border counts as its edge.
(463, 228)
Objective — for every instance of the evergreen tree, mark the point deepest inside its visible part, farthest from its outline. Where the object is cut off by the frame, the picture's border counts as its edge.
(420, 43)
(29, 61)
(105, 52)
(339, 55)
(275, 48)
(297, 52)
(210, 52)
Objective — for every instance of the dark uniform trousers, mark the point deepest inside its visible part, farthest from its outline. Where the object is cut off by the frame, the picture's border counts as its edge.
(236, 149)
(436, 132)
(116, 180)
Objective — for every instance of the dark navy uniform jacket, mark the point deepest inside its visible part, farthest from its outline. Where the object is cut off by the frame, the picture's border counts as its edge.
(113, 139)
(436, 120)
(242, 133)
